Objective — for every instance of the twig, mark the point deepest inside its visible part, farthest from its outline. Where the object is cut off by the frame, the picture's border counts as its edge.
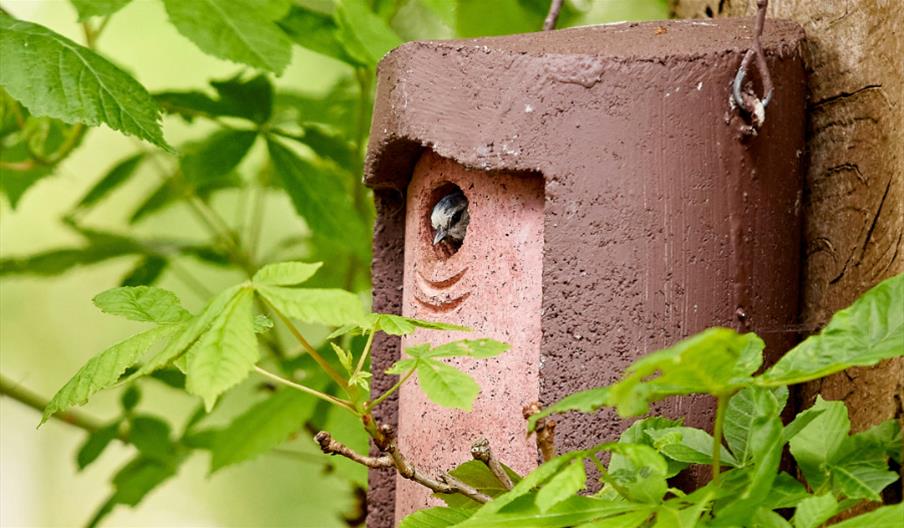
(546, 432)
(38, 403)
(555, 6)
(333, 447)
(445, 483)
(481, 451)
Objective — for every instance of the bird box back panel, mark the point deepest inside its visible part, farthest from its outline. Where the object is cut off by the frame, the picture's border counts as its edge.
(491, 284)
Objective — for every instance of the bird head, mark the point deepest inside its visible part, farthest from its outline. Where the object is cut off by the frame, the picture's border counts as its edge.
(450, 218)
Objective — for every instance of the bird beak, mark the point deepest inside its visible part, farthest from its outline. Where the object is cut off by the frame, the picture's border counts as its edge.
(440, 235)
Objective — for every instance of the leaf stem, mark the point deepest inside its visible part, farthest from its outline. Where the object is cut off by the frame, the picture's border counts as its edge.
(303, 388)
(721, 407)
(364, 353)
(388, 393)
(307, 346)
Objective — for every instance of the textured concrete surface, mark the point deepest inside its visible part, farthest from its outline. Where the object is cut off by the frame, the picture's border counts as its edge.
(659, 219)
(492, 285)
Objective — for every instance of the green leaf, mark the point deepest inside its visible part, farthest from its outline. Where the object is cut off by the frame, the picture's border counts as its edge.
(814, 511)
(119, 174)
(478, 475)
(866, 332)
(786, 492)
(817, 444)
(103, 370)
(764, 451)
(586, 401)
(402, 366)
(445, 385)
(188, 333)
(207, 162)
(130, 398)
(637, 434)
(316, 32)
(262, 324)
(862, 479)
(318, 306)
(225, 354)
(566, 483)
(53, 76)
(536, 477)
(570, 512)
(146, 272)
(689, 445)
(89, 8)
(345, 359)
(95, 444)
(142, 303)
(628, 520)
(317, 196)
(800, 421)
(641, 474)
(286, 273)
(764, 518)
(139, 477)
(474, 348)
(236, 30)
(741, 417)
(366, 36)
(434, 518)
(886, 436)
(715, 361)
(398, 325)
(250, 99)
(262, 427)
(884, 517)
(151, 436)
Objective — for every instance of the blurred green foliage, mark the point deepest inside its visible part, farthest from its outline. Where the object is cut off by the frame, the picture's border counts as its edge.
(215, 155)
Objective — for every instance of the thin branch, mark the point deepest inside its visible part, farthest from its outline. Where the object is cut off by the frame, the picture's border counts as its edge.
(297, 386)
(189, 280)
(389, 392)
(333, 447)
(555, 6)
(480, 450)
(445, 483)
(546, 432)
(30, 399)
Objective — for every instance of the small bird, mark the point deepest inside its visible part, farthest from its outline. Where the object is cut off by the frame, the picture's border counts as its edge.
(450, 219)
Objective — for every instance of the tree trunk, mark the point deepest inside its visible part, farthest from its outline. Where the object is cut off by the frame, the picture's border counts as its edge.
(854, 198)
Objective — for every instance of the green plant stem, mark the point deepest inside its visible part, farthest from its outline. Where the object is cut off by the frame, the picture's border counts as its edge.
(193, 284)
(363, 77)
(370, 341)
(388, 393)
(255, 226)
(313, 392)
(307, 346)
(721, 407)
(30, 399)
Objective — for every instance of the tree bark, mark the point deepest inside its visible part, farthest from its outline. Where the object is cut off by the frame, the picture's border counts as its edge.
(854, 198)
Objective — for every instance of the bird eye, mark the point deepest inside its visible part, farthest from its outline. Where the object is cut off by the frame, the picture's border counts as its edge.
(456, 217)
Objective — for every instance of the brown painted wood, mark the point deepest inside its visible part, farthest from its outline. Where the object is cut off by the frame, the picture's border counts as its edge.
(854, 186)
(660, 219)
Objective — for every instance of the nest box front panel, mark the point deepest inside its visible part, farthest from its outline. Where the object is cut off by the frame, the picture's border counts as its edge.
(492, 284)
